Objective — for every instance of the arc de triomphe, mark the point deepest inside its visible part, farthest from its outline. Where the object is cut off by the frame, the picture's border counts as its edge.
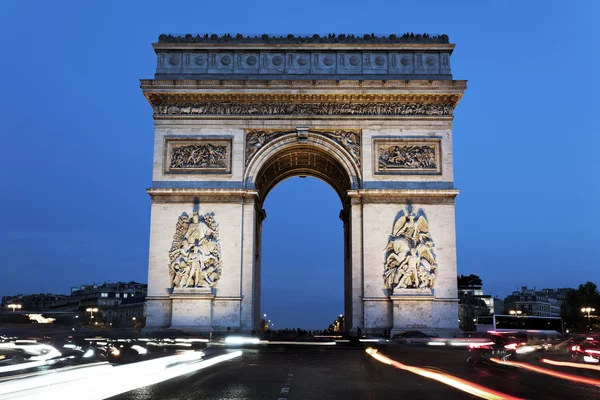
(371, 116)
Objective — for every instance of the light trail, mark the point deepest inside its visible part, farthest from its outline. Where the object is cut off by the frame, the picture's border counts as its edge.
(545, 371)
(447, 379)
(95, 383)
(570, 364)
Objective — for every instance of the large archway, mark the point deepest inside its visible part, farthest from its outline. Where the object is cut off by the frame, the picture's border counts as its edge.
(304, 153)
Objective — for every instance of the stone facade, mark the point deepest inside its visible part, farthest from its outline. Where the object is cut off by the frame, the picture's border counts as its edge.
(226, 135)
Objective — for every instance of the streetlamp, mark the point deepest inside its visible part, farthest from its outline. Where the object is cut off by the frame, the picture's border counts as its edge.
(91, 311)
(588, 310)
(517, 312)
(15, 307)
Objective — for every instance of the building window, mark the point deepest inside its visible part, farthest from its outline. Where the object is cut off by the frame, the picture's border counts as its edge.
(124, 295)
(117, 295)
(103, 294)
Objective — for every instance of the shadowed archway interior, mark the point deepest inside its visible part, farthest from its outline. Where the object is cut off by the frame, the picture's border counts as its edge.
(302, 160)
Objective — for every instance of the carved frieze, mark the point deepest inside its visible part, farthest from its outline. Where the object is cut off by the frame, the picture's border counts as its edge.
(348, 139)
(195, 254)
(410, 261)
(349, 109)
(197, 156)
(407, 156)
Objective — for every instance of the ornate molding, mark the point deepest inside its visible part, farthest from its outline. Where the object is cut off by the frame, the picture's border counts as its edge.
(310, 109)
(197, 156)
(402, 196)
(192, 195)
(195, 254)
(410, 260)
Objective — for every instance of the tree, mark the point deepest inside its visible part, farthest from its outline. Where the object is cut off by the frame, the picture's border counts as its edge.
(586, 295)
(469, 305)
(469, 308)
(469, 281)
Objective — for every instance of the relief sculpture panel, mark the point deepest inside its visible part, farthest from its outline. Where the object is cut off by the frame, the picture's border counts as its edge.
(410, 261)
(195, 254)
(405, 156)
(197, 156)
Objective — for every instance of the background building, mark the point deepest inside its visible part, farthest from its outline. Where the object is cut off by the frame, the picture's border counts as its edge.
(542, 303)
(119, 304)
(33, 302)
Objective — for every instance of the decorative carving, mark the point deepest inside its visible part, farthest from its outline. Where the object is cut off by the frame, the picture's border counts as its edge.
(235, 108)
(255, 140)
(410, 261)
(291, 39)
(407, 157)
(195, 254)
(349, 140)
(197, 155)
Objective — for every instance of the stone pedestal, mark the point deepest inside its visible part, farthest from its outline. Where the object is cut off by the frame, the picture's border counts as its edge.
(192, 309)
(412, 309)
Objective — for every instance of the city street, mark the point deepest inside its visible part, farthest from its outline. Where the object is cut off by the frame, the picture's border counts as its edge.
(314, 372)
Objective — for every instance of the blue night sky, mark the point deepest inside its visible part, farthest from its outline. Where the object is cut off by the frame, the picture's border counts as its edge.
(77, 143)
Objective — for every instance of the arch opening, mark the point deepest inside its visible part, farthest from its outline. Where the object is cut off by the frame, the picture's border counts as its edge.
(302, 257)
(312, 156)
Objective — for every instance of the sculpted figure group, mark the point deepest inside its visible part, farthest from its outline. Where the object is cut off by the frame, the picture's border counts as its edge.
(410, 260)
(195, 255)
(234, 108)
(407, 157)
(199, 156)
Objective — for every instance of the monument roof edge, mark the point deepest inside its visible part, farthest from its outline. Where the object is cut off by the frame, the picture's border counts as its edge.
(303, 46)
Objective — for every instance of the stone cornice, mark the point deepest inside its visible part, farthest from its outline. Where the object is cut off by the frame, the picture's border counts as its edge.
(324, 91)
(186, 195)
(364, 196)
(393, 85)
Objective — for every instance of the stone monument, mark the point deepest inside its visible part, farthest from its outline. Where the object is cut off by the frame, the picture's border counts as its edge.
(371, 116)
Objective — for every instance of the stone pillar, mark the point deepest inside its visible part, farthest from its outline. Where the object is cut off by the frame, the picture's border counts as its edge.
(248, 265)
(158, 302)
(357, 264)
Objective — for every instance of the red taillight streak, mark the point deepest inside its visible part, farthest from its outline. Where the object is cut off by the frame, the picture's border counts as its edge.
(570, 364)
(569, 377)
(460, 384)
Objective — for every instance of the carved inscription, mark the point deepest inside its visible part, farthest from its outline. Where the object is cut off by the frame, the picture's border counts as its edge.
(234, 108)
(410, 261)
(201, 156)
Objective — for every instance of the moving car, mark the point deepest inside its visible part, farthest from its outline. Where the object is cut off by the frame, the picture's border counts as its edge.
(408, 337)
